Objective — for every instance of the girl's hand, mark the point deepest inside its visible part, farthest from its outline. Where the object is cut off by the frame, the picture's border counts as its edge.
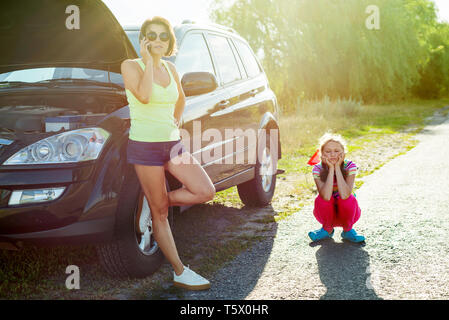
(340, 160)
(145, 48)
(326, 161)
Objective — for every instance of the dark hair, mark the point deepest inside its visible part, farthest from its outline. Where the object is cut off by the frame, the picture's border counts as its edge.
(164, 22)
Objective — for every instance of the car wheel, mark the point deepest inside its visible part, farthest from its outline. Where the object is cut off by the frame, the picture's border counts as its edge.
(260, 190)
(133, 252)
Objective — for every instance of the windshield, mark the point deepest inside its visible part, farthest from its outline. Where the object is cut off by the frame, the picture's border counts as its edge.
(42, 74)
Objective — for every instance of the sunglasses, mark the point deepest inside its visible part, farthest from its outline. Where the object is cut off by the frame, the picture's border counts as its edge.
(163, 36)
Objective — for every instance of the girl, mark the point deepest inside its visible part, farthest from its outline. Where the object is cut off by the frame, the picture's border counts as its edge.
(335, 205)
(156, 101)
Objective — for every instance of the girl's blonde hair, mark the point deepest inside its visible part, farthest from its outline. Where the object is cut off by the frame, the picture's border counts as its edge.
(327, 137)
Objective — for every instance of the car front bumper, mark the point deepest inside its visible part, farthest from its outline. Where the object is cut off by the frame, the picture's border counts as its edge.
(84, 212)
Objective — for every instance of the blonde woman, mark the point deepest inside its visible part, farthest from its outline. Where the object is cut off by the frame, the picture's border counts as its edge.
(335, 205)
(156, 101)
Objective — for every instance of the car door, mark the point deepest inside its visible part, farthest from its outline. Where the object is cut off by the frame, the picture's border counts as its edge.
(203, 116)
(230, 125)
(245, 106)
(250, 99)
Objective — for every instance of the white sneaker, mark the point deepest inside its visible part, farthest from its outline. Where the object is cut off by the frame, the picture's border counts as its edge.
(190, 280)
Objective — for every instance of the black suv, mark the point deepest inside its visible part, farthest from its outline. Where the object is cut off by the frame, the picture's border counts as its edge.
(64, 124)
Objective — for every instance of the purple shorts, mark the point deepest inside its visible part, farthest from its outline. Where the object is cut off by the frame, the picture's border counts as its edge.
(153, 153)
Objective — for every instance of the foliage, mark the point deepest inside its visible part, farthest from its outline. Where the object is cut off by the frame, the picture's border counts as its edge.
(311, 49)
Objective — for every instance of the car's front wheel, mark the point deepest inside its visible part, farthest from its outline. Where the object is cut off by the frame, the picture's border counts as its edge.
(134, 252)
(260, 190)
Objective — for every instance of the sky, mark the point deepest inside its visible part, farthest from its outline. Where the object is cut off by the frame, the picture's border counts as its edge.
(443, 6)
(134, 12)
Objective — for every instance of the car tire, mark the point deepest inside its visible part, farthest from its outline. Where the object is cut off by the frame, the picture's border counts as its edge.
(128, 255)
(259, 191)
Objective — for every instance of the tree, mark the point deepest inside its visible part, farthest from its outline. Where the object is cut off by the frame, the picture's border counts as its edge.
(323, 48)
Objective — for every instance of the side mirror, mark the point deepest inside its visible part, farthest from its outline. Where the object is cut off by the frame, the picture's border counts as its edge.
(196, 83)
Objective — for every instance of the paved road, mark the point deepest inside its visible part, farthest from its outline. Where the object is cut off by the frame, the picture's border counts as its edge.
(405, 218)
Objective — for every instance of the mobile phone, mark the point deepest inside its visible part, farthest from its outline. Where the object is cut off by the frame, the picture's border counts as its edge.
(141, 36)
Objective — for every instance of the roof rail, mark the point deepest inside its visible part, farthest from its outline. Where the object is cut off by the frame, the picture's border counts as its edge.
(215, 25)
(219, 26)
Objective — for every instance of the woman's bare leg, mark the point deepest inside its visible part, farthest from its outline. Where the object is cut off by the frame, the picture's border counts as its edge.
(152, 180)
(198, 188)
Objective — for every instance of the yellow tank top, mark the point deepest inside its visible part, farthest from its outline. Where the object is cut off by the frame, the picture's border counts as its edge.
(154, 121)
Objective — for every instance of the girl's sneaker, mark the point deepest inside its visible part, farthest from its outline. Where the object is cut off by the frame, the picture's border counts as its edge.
(190, 280)
(320, 234)
(352, 236)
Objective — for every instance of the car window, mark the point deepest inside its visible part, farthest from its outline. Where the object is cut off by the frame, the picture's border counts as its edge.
(227, 64)
(41, 74)
(250, 62)
(193, 55)
(239, 61)
(29, 75)
(91, 74)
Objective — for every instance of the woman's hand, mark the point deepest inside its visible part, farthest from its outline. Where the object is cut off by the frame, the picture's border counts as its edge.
(140, 85)
(145, 48)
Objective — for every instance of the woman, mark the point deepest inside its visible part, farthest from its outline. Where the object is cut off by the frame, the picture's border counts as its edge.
(156, 102)
(335, 205)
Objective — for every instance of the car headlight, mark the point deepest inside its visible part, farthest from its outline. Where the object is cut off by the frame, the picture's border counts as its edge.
(67, 147)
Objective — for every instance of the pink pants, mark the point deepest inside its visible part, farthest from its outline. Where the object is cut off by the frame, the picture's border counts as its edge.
(345, 215)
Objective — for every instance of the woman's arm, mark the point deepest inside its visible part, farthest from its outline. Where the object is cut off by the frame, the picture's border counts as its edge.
(179, 106)
(344, 186)
(325, 189)
(138, 82)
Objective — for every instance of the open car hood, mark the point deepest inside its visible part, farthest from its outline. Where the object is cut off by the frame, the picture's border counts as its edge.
(35, 33)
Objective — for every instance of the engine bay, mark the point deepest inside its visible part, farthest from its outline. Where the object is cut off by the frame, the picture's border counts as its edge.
(52, 112)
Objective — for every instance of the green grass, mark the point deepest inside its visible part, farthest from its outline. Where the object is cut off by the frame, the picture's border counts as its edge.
(300, 131)
(228, 196)
(23, 273)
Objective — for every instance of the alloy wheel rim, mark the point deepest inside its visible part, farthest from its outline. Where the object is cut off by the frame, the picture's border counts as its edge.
(266, 169)
(144, 229)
